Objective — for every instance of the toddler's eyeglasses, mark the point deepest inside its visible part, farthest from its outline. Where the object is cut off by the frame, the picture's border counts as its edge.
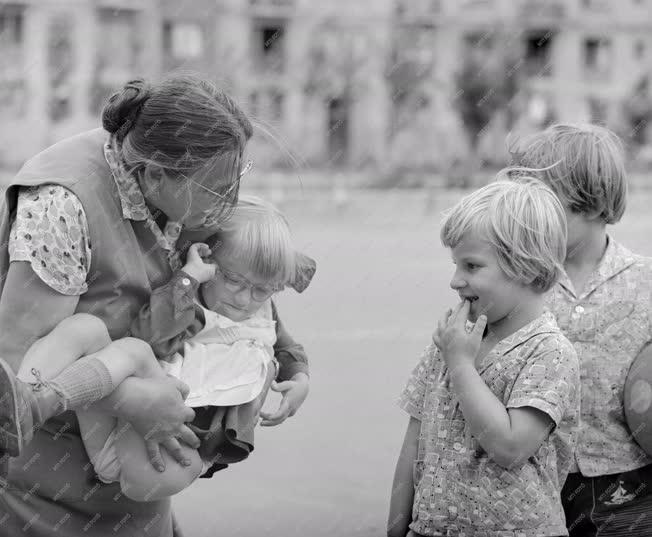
(235, 283)
(227, 194)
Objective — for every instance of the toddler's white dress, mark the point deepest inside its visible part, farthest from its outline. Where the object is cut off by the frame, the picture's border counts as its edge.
(225, 364)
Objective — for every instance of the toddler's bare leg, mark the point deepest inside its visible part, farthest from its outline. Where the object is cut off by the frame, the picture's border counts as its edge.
(72, 338)
(129, 357)
(31, 399)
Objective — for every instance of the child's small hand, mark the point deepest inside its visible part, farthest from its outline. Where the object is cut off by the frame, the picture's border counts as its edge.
(198, 264)
(459, 347)
(294, 393)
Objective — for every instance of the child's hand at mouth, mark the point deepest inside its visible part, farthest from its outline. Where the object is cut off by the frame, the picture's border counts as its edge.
(459, 347)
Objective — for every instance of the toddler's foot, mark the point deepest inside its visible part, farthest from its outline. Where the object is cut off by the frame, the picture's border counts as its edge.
(11, 436)
(24, 407)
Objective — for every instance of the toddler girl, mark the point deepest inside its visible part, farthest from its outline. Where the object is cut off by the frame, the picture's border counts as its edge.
(229, 362)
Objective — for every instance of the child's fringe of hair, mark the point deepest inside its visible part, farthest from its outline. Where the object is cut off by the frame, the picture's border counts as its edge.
(259, 235)
(583, 163)
(523, 221)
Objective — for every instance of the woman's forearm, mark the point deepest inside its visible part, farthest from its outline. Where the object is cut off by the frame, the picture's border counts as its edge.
(400, 506)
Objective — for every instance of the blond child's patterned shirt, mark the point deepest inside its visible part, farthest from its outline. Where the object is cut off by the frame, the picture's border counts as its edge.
(459, 490)
(609, 323)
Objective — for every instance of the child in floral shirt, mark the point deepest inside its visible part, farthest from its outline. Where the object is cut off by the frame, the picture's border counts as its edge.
(602, 303)
(493, 409)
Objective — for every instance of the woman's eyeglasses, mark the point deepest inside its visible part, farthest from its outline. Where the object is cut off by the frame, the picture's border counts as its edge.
(226, 196)
(235, 283)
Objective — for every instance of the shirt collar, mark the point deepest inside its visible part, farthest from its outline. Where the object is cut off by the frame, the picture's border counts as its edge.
(543, 324)
(615, 259)
(133, 202)
(132, 199)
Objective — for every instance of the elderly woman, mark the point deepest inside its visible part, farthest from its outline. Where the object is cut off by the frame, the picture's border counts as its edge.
(92, 225)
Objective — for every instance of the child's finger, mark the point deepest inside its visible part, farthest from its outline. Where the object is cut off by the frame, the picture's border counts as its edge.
(480, 324)
(202, 249)
(154, 455)
(277, 417)
(463, 314)
(455, 312)
(282, 386)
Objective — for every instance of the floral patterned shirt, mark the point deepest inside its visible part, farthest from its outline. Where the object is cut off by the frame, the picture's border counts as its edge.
(50, 230)
(609, 323)
(51, 233)
(459, 490)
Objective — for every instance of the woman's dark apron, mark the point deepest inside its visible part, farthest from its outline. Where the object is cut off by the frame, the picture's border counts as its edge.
(52, 488)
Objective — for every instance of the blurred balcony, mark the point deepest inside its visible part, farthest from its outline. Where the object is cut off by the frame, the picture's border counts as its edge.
(418, 11)
(272, 8)
(596, 6)
(538, 12)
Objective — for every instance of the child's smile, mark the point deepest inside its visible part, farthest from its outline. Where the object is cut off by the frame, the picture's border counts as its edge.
(479, 279)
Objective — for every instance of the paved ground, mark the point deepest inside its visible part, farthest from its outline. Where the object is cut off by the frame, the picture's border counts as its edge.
(381, 283)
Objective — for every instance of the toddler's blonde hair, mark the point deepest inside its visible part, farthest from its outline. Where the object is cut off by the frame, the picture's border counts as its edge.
(258, 234)
(584, 164)
(523, 221)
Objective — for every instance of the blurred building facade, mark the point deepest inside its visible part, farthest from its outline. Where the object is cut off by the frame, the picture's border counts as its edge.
(351, 83)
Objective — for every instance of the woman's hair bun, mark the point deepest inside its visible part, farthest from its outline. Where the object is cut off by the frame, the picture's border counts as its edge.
(121, 112)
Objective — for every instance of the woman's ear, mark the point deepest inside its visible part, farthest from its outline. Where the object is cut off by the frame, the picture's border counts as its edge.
(150, 180)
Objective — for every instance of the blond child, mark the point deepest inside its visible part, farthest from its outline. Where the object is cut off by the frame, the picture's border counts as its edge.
(492, 408)
(602, 304)
(228, 363)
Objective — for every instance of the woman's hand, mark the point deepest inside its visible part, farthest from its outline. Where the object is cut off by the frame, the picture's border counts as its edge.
(198, 263)
(155, 408)
(459, 347)
(294, 393)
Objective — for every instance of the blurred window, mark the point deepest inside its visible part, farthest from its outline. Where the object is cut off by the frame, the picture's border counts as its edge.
(639, 49)
(267, 103)
(183, 40)
(598, 110)
(538, 53)
(118, 54)
(271, 3)
(596, 5)
(479, 40)
(253, 103)
(418, 8)
(61, 65)
(597, 58)
(269, 45)
(13, 92)
(11, 25)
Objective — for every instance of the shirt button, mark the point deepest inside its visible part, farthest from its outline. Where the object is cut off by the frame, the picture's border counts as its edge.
(579, 309)
(185, 281)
